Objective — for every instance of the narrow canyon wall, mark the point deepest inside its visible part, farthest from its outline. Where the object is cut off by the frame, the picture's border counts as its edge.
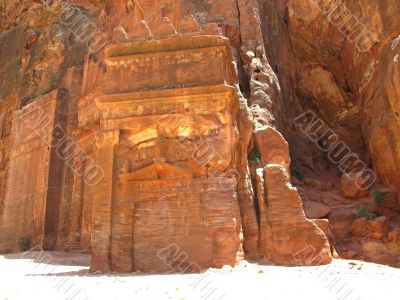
(176, 122)
(339, 61)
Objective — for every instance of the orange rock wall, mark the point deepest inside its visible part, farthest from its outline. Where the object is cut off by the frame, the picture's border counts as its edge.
(31, 202)
(165, 141)
(159, 126)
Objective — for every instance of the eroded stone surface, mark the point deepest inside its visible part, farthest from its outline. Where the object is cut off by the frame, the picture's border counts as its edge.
(167, 154)
(287, 236)
(180, 103)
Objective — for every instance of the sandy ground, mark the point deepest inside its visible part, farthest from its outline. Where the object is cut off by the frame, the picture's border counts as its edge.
(55, 275)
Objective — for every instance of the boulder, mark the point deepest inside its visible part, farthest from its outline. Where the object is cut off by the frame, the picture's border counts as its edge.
(287, 237)
(323, 224)
(350, 188)
(272, 146)
(378, 228)
(359, 227)
(315, 210)
(394, 235)
(379, 253)
(313, 183)
(340, 221)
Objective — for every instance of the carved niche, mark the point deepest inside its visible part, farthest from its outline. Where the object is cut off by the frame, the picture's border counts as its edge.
(171, 107)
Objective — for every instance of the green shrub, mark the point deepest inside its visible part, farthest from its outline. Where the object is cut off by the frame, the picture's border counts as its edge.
(257, 124)
(363, 211)
(41, 92)
(254, 156)
(25, 243)
(54, 80)
(379, 197)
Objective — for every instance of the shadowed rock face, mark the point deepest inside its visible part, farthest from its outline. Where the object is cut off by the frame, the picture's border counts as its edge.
(164, 135)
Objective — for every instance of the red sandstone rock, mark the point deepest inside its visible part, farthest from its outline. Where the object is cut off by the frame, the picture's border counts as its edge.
(287, 236)
(350, 188)
(315, 210)
(359, 227)
(378, 228)
(170, 179)
(245, 187)
(288, 57)
(323, 224)
(378, 252)
(340, 221)
(394, 235)
(313, 183)
(273, 147)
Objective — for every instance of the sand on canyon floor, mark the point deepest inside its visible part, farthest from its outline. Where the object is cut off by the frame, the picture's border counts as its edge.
(57, 275)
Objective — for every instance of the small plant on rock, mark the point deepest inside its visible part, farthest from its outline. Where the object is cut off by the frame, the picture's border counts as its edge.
(24, 243)
(363, 211)
(379, 197)
(254, 156)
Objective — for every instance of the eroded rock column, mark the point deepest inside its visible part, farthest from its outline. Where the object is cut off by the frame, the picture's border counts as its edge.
(102, 201)
(288, 237)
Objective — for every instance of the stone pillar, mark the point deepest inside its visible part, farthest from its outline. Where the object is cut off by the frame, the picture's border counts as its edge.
(248, 213)
(86, 220)
(76, 203)
(122, 231)
(102, 201)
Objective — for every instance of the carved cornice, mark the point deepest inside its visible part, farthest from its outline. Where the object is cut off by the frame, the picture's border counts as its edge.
(107, 138)
(124, 54)
(107, 111)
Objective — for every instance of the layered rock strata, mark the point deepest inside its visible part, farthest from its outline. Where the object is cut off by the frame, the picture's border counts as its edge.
(170, 125)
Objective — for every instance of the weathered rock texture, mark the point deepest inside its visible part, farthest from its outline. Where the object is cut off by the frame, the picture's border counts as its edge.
(160, 134)
(166, 142)
(286, 236)
(340, 60)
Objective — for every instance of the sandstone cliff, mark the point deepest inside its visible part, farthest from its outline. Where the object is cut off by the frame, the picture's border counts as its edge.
(256, 128)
